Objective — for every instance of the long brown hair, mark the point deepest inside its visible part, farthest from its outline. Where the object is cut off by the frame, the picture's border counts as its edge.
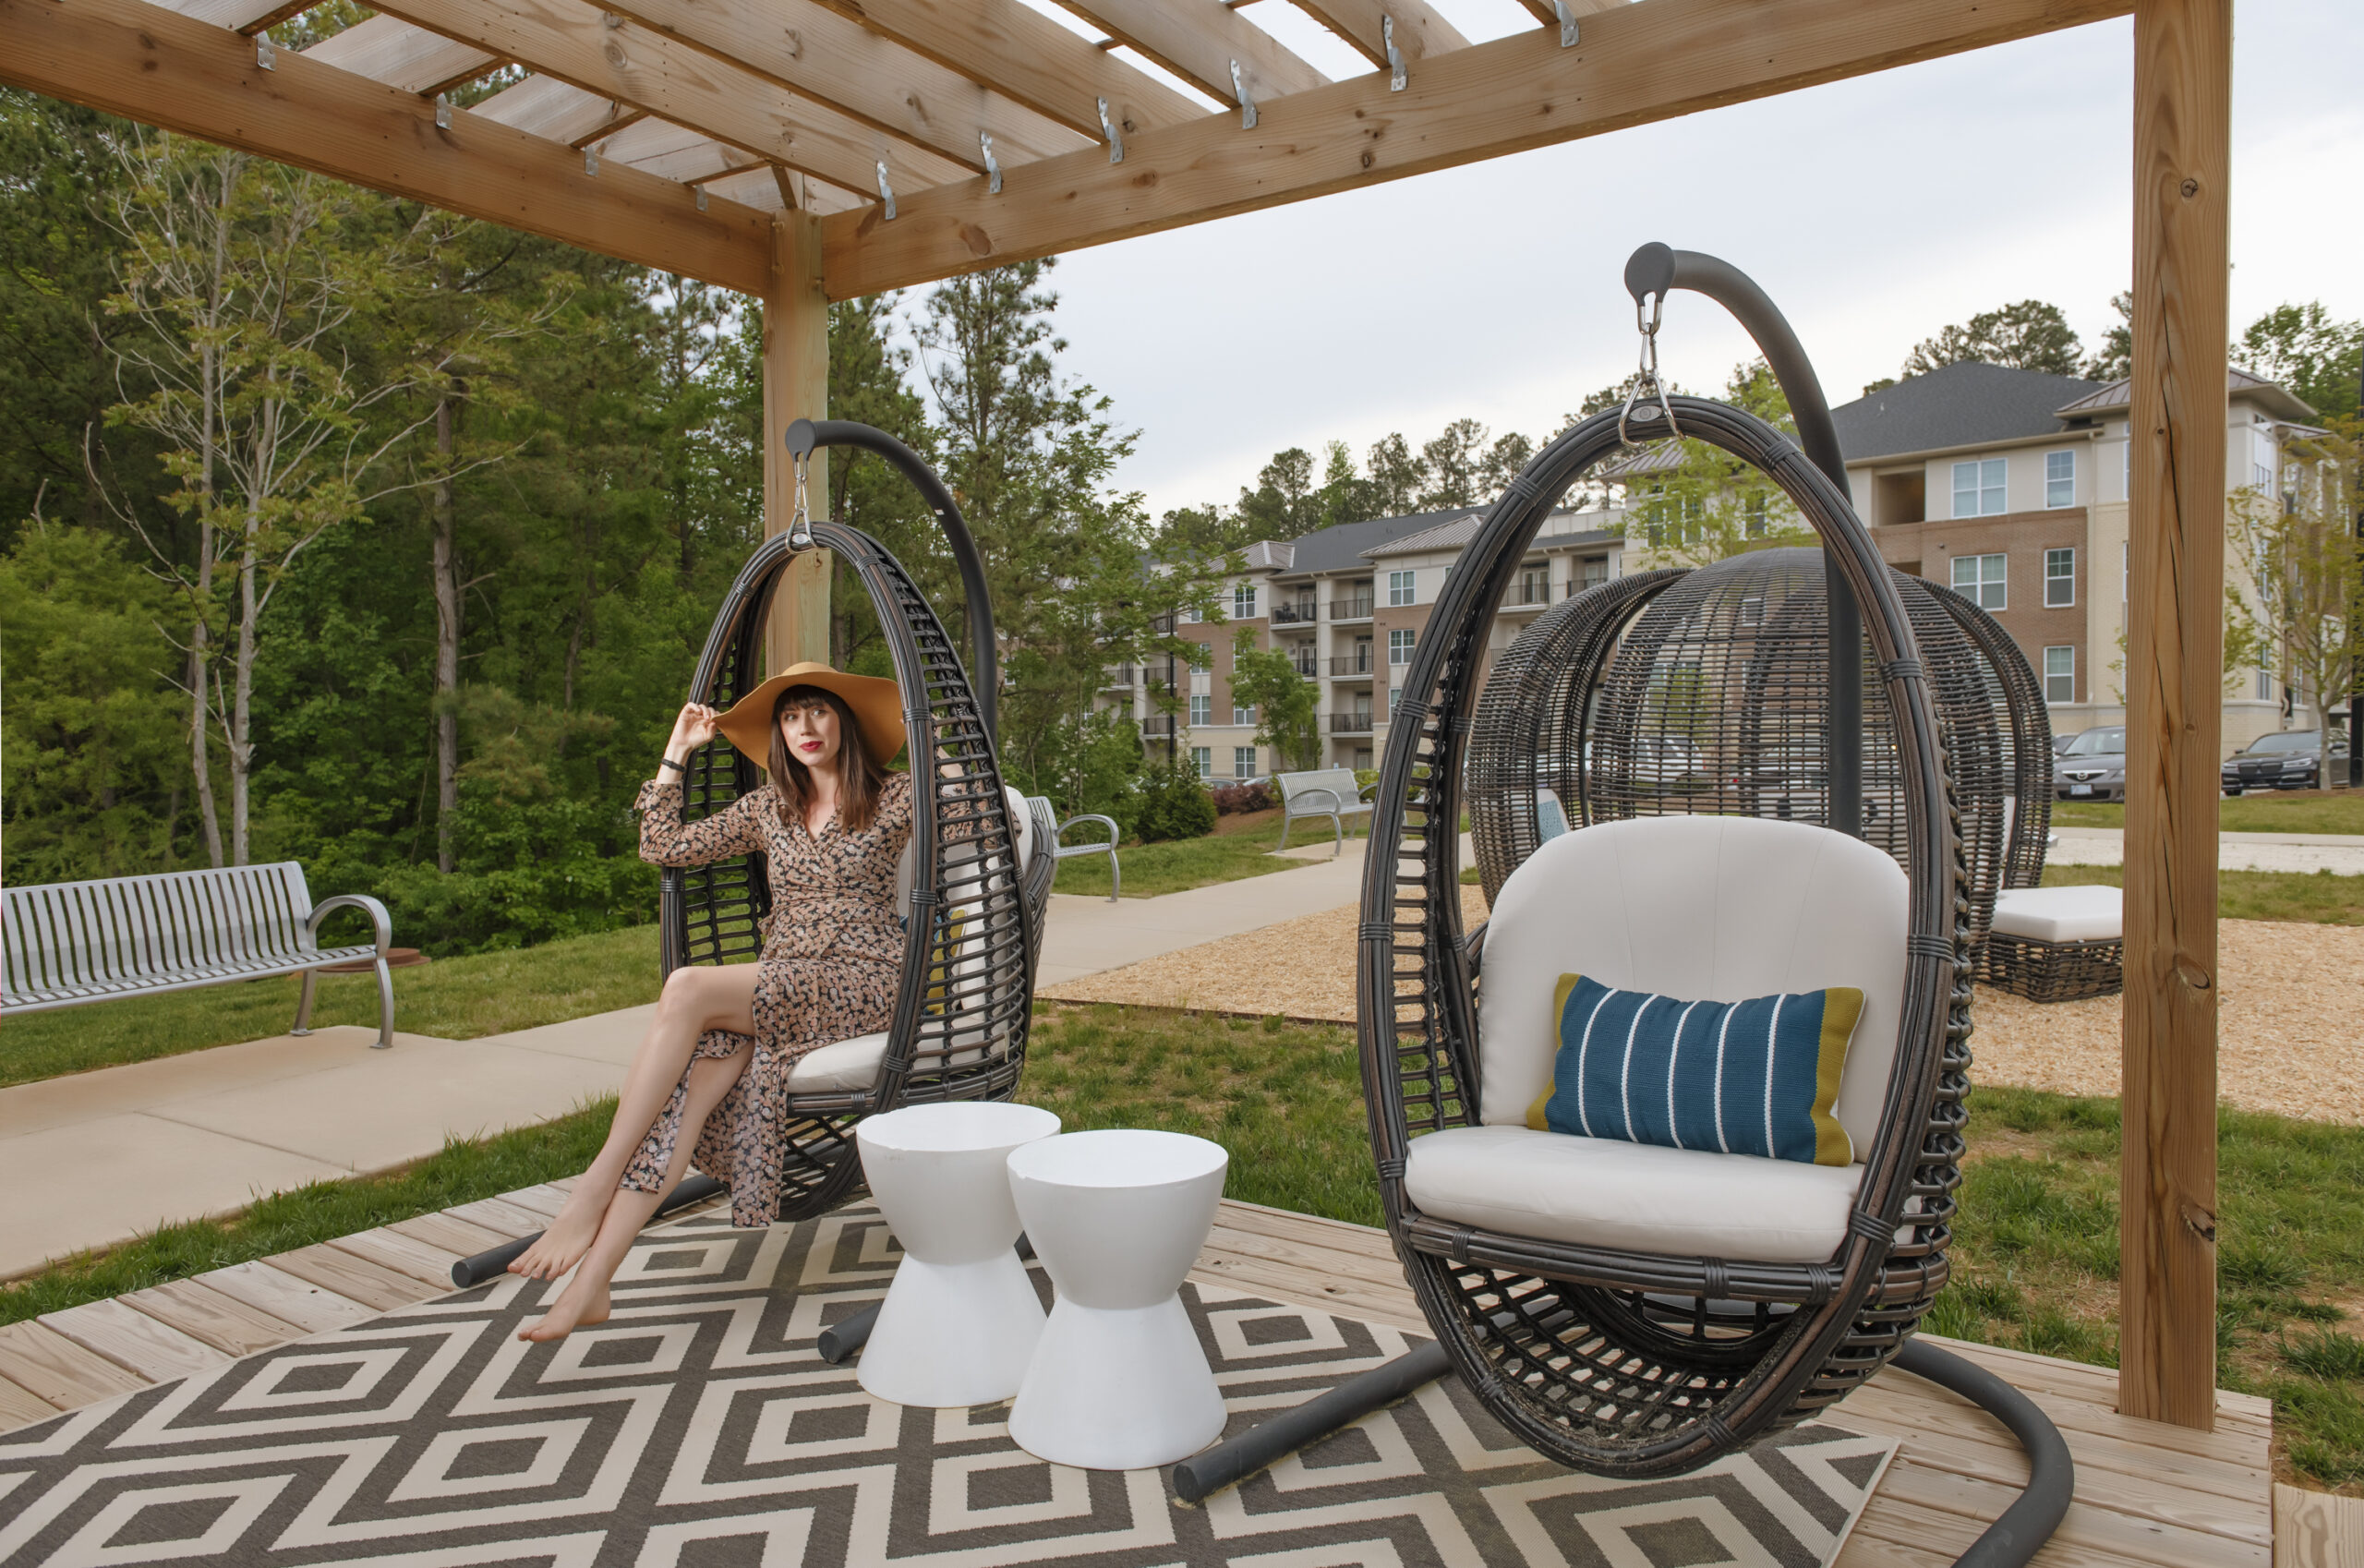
(859, 774)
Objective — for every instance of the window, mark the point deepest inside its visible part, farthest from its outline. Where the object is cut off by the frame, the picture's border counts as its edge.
(2059, 478)
(2265, 686)
(1203, 757)
(1202, 709)
(1399, 646)
(2060, 675)
(1394, 694)
(1243, 602)
(1978, 487)
(2126, 468)
(1592, 570)
(2125, 571)
(1243, 762)
(2059, 578)
(1399, 588)
(1979, 578)
(1246, 714)
(2262, 477)
(1190, 616)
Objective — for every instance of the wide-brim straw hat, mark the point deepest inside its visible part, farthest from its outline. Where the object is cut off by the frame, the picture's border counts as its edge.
(877, 705)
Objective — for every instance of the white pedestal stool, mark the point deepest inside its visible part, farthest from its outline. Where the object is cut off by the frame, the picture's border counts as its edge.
(960, 1322)
(1118, 1381)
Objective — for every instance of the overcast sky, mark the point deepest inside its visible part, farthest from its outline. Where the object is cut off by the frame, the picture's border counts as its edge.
(1874, 210)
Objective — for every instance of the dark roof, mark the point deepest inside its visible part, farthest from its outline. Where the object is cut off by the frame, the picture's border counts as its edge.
(1458, 533)
(1963, 403)
(1341, 548)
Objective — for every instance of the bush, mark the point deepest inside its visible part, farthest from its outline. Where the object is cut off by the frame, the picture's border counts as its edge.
(1173, 804)
(1231, 797)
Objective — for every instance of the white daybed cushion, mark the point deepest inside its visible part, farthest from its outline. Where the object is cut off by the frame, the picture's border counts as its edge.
(1636, 1197)
(1704, 908)
(2061, 914)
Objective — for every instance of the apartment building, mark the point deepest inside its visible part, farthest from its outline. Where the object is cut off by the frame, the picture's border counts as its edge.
(1348, 605)
(2010, 486)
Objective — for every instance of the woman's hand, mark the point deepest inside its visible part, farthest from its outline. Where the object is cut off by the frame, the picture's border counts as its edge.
(692, 729)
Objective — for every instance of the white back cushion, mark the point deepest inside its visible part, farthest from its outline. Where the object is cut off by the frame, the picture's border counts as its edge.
(1715, 909)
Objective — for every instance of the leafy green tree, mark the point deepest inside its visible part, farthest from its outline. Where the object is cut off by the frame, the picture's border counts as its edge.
(1509, 455)
(1285, 701)
(1396, 478)
(2297, 586)
(1284, 502)
(2304, 348)
(2028, 335)
(1451, 462)
(2114, 361)
(1712, 505)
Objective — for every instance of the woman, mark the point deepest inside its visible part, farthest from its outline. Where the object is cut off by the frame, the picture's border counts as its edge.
(711, 1076)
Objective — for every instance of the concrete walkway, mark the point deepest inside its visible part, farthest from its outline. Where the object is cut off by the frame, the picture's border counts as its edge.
(2339, 854)
(100, 1157)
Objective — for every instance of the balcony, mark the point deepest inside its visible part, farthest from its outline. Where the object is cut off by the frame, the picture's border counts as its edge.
(1532, 593)
(1301, 613)
(1119, 678)
(1354, 666)
(1356, 723)
(1158, 727)
(1356, 608)
(1306, 665)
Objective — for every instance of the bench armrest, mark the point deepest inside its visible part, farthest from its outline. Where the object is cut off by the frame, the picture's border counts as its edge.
(1313, 800)
(363, 901)
(1114, 832)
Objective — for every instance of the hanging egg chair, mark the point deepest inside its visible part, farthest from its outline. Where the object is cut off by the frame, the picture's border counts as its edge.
(1627, 1308)
(975, 878)
(1598, 712)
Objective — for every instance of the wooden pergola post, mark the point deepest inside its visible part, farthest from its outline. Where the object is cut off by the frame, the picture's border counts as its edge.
(796, 386)
(2175, 652)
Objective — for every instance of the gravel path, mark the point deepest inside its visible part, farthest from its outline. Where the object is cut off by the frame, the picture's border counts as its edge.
(2291, 1041)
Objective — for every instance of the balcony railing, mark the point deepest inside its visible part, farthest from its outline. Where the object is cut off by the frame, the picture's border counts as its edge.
(1357, 723)
(1306, 664)
(1357, 663)
(1356, 608)
(1299, 613)
(1527, 593)
(1158, 727)
(1120, 677)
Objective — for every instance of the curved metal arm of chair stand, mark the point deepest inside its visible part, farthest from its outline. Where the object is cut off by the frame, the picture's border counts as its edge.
(2008, 1542)
(1061, 852)
(806, 435)
(1656, 268)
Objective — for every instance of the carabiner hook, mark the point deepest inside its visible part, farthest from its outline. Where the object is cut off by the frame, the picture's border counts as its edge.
(1647, 372)
(799, 521)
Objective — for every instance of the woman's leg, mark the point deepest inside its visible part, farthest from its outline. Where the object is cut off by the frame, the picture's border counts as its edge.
(585, 1299)
(696, 997)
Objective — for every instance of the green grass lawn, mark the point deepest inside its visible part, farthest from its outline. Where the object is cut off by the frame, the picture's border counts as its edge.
(451, 998)
(1240, 846)
(2319, 899)
(2300, 810)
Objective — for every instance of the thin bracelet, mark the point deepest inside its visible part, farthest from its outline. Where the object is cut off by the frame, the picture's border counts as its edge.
(668, 762)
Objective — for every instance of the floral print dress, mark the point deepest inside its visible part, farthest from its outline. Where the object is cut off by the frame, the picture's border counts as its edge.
(831, 967)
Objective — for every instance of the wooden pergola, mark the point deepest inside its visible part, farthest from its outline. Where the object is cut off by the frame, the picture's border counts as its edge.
(805, 150)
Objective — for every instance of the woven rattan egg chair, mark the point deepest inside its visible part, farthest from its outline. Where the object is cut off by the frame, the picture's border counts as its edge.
(1595, 668)
(1608, 1340)
(975, 878)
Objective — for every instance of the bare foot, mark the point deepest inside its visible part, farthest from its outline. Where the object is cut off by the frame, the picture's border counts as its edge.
(578, 1306)
(562, 1246)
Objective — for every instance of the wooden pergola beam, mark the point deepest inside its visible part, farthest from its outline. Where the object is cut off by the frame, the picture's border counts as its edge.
(1634, 64)
(556, 110)
(1419, 32)
(602, 53)
(1199, 41)
(2183, 90)
(158, 67)
(1027, 57)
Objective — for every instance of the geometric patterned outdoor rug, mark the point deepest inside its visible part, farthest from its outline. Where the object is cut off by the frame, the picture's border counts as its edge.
(700, 1429)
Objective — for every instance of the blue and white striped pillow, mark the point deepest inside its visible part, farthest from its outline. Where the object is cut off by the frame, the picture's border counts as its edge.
(1758, 1076)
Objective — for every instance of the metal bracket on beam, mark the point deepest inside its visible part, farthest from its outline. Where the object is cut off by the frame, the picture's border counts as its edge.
(886, 191)
(1567, 23)
(1109, 128)
(1246, 104)
(701, 190)
(265, 55)
(1397, 77)
(993, 164)
(442, 110)
(591, 160)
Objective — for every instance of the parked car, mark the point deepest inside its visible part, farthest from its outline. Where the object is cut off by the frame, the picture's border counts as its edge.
(2060, 743)
(2093, 766)
(2289, 760)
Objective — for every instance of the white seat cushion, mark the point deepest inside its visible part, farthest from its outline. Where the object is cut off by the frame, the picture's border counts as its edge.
(840, 1067)
(1716, 909)
(2061, 914)
(1633, 1197)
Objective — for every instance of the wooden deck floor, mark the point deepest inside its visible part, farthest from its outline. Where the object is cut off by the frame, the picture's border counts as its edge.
(2147, 1494)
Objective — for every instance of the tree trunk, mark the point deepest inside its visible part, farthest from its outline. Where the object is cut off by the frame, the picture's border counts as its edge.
(199, 674)
(447, 645)
(242, 697)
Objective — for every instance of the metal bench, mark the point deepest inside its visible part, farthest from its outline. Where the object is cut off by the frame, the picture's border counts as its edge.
(68, 943)
(1328, 791)
(1044, 812)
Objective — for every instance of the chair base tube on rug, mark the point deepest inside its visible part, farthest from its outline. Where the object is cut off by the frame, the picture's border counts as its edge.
(2009, 1542)
(494, 1261)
